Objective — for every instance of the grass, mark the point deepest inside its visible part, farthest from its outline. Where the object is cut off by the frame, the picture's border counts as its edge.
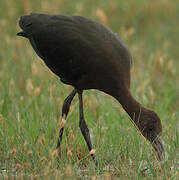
(31, 97)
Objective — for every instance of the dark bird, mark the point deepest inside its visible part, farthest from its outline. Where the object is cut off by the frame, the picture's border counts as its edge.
(87, 55)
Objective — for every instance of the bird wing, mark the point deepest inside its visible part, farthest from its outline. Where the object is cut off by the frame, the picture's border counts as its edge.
(73, 45)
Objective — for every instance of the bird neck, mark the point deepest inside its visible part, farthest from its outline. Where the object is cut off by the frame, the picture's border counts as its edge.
(130, 105)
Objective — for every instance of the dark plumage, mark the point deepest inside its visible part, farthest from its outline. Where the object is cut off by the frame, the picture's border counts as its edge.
(87, 55)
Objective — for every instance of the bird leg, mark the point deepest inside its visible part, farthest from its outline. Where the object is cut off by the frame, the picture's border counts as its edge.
(65, 110)
(84, 128)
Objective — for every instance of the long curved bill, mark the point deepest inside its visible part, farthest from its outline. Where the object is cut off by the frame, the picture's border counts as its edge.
(157, 145)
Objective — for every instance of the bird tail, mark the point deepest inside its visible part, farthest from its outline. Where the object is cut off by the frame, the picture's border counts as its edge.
(25, 24)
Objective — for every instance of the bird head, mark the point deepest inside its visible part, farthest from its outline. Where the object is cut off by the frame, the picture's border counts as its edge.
(150, 126)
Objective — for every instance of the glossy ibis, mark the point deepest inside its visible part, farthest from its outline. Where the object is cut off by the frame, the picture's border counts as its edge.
(87, 55)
